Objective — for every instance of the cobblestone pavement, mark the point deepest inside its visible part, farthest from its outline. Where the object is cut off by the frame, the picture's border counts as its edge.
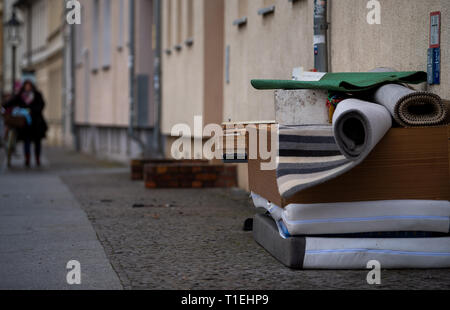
(193, 239)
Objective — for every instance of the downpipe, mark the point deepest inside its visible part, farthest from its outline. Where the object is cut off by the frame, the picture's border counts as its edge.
(320, 36)
(156, 138)
(131, 70)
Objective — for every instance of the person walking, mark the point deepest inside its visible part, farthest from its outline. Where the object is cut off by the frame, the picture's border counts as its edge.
(31, 99)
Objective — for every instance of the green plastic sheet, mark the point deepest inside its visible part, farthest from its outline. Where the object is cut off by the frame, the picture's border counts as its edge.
(346, 81)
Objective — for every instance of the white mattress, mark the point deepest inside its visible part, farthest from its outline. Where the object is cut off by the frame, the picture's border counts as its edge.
(359, 217)
(395, 253)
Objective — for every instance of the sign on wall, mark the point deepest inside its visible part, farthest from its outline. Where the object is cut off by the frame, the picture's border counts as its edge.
(434, 52)
(435, 29)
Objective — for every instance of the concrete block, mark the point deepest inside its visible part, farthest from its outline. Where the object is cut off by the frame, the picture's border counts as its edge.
(301, 107)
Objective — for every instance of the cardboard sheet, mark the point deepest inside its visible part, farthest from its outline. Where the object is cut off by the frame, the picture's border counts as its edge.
(409, 163)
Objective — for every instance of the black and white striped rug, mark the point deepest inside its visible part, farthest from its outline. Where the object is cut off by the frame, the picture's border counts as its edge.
(312, 154)
(308, 155)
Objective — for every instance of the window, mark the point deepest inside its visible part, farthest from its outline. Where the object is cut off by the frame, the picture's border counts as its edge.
(39, 26)
(95, 34)
(106, 48)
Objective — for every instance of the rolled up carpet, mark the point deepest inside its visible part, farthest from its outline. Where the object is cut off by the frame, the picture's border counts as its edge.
(358, 126)
(312, 154)
(447, 119)
(411, 108)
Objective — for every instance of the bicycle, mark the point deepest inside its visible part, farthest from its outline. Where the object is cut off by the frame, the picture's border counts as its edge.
(12, 123)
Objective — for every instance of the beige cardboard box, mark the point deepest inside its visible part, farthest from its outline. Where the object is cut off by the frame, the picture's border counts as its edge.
(409, 163)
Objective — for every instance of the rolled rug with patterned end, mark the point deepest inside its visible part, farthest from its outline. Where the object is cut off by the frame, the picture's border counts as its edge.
(313, 154)
(411, 108)
(307, 156)
(358, 126)
(447, 119)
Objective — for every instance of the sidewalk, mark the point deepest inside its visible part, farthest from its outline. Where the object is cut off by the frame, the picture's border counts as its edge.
(42, 228)
(153, 239)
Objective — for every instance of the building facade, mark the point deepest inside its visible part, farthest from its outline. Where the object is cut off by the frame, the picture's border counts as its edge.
(115, 109)
(269, 38)
(2, 46)
(7, 62)
(102, 81)
(193, 55)
(40, 55)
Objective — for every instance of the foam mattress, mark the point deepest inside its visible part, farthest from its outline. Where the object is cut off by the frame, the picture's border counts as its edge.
(351, 253)
(359, 217)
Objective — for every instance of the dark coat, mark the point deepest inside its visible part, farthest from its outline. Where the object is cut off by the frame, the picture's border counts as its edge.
(38, 128)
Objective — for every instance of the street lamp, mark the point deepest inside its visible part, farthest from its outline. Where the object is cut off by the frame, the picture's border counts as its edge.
(13, 36)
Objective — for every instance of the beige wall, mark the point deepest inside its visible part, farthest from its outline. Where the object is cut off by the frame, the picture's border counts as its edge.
(182, 79)
(47, 62)
(102, 95)
(213, 63)
(55, 15)
(192, 77)
(1, 47)
(49, 77)
(400, 42)
(272, 46)
(267, 47)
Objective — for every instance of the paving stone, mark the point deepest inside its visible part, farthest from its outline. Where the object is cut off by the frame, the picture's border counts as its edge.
(198, 243)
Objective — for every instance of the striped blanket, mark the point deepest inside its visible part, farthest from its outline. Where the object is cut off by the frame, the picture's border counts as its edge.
(308, 155)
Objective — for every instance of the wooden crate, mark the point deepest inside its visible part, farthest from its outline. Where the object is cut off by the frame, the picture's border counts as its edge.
(239, 133)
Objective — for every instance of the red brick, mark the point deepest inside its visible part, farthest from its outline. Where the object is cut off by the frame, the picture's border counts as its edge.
(172, 169)
(136, 177)
(185, 169)
(150, 168)
(206, 177)
(165, 177)
(197, 184)
(230, 169)
(173, 184)
(196, 169)
(185, 184)
(187, 174)
(161, 169)
(208, 184)
(150, 184)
